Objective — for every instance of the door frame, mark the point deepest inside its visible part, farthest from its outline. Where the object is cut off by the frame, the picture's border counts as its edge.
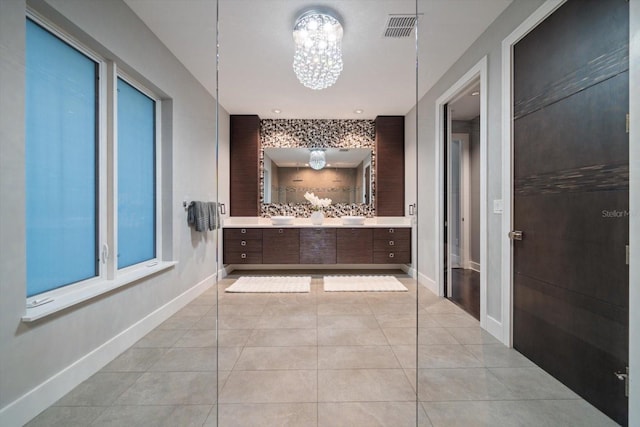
(544, 11)
(477, 72)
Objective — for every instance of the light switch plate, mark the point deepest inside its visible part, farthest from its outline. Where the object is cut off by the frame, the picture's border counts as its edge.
(497, 206)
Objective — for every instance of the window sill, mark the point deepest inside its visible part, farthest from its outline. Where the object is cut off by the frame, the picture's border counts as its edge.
(69, 299)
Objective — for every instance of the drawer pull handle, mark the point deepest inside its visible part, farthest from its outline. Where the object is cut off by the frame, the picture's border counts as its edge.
(243, 243)
(391, 231)
(391, 255)
(281, 231)
(243, 231)
(243, 256)
(391, 243)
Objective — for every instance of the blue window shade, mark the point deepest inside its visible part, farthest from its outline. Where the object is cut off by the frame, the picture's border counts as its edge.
(136, 176)
(60, 162)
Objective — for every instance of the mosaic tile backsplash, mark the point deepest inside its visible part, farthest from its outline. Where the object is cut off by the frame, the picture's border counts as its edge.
(303, 210)
(312, 133)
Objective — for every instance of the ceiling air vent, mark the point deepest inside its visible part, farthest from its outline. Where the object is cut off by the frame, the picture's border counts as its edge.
(400, 26)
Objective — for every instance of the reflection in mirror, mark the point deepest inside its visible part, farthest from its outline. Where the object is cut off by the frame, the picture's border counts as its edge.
(346, 178)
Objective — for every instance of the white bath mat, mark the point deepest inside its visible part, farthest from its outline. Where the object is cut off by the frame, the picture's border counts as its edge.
(363, 284)
(271, 284)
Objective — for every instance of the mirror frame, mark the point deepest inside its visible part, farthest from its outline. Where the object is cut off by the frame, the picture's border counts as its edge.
(316, 133)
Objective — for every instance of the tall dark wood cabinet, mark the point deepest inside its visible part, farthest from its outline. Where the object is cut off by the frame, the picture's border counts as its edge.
(389, 195)
(243, 165)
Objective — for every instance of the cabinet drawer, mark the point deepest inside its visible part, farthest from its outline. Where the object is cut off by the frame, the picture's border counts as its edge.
(392, 244)
(281, 235)
(242, 257)
(242, 233)
(244, 245)
(392, 233)
(392, 257)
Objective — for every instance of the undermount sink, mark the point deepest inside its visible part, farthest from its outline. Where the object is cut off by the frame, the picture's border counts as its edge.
(353, 220)
(282, 220)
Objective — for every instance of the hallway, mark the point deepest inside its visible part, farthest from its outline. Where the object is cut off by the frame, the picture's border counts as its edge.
(325, 359)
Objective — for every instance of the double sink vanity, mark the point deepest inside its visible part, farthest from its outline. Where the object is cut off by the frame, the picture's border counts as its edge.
(258, 241)
(265, 182)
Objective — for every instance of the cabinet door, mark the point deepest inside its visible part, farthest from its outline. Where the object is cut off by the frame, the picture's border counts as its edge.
(281, 245)
(318, 245)
(389, 166)
(243, 165)
(355, 245)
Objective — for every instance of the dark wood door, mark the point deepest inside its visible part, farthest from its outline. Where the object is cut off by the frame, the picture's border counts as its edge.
(571, 182)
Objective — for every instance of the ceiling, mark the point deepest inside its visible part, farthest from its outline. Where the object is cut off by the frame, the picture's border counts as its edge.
(467, 105)
(256, 51)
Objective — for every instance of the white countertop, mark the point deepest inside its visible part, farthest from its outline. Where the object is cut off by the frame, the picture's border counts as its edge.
(259, 222)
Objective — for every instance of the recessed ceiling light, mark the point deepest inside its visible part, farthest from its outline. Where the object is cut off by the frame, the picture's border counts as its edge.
(277, 110)
(358, 111)
(475, 93)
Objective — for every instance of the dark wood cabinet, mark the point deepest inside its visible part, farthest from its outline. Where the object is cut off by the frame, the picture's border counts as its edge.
(281, 245)
(318, 246)
(242, 246)
(392, 246)
(389, 195)
(354, 245)
(243, 165)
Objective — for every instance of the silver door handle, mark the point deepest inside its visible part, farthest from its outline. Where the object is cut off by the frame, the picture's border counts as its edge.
(515, 235)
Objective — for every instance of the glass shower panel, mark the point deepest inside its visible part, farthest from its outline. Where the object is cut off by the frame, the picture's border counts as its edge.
(321, 357)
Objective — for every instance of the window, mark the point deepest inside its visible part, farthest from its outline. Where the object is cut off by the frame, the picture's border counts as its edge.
(136, 176)
(78, 232)
(61, 162)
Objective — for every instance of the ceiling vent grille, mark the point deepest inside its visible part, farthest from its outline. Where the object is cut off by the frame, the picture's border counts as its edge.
(400, 26)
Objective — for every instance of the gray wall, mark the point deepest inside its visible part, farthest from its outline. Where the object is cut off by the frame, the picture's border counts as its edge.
(489, 44)
(32, 353)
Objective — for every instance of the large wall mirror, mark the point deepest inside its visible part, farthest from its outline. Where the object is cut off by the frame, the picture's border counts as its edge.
(345, 177)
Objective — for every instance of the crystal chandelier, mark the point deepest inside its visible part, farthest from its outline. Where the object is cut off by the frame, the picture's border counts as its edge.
(317, 61)
(317, 159)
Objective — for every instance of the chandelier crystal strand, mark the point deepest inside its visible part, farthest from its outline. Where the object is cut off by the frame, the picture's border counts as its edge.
(317, 61)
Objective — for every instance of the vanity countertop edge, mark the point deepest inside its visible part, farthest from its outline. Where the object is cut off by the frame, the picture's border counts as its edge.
(260, 222)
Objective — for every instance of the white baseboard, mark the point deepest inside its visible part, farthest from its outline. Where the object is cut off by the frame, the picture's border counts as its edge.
(225, 270)
(428, 283)
(409, 270)
(475, 266)
(495, 328)
(26, 407)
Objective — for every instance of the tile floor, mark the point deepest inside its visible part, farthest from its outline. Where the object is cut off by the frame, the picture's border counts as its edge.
(321, 359)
